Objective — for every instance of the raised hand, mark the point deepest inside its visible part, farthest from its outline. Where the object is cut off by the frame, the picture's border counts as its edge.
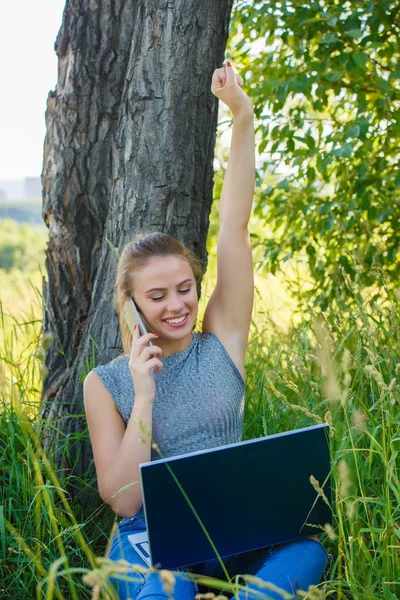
(227, 85)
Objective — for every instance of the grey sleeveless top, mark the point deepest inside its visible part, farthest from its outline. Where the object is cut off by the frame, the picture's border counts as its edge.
(199, 401)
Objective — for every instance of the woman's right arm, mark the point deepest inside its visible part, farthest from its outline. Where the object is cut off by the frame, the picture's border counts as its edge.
(118, 450)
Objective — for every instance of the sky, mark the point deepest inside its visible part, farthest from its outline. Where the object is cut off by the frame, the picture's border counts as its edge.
(28, 71)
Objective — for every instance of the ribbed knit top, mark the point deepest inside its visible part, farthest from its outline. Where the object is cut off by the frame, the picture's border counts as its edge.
(199, 401)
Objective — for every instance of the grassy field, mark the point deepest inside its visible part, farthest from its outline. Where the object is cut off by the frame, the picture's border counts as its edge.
(341, 368)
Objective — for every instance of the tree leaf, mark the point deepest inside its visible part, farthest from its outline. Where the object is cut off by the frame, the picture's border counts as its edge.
(329, 38)
(360, 58)
(354, 132)
(354, 33)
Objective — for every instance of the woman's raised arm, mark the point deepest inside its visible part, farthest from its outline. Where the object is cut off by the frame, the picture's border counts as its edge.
(228, 313)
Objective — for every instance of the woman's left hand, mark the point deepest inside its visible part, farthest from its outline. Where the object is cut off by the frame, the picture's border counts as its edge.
(227, 86)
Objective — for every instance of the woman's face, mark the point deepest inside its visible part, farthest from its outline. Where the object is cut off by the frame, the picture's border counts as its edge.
(165, 289)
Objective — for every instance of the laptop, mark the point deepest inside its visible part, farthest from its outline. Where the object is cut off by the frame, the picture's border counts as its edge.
(248, 495)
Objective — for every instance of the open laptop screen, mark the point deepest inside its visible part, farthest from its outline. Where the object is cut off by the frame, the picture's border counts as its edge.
(248, 495)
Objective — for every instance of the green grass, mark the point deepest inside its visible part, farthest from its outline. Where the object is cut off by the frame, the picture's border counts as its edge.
(344, 368)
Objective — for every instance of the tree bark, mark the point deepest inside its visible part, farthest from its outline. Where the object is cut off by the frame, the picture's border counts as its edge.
(129, 148)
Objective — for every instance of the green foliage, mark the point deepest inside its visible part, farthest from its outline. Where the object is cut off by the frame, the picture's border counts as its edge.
(344, 369)
(21, 246)
(326, 90)
(42, 539)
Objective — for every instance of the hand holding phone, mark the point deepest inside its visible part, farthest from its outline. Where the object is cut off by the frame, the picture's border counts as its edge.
(143, 360)
(132, 317)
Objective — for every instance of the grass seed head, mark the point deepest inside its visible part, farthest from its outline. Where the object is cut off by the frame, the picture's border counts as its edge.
(346, 360)
(39, 354)
(392, 388)
(142, 426)
(330, 387)
(210, 596)
(94, 578)
(292, 386)
(373, 372)
(330, 532)
(351, 509)
(359, 420)
(168, 580)
(156, 447)
(328, 419)
(315, 483)
(140, 568)
(313, 593)
(372, 357)
(47, 340)
(44, 371)
(96, 592)
(118, 566)
(299, 364)
(314, 358)
(302, 409)
(344, 478)
(260, 583)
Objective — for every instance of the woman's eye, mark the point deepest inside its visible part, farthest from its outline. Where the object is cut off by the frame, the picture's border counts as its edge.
(180, 291)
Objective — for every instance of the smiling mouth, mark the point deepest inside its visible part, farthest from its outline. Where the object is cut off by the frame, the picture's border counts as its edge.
(176, 320)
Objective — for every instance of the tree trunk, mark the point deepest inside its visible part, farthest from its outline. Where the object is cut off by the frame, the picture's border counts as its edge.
(130, 139)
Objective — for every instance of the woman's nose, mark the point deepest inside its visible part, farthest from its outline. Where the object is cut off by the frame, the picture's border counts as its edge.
(175, 303)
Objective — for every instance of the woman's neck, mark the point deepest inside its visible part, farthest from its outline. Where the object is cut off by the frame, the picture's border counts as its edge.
(170, 347)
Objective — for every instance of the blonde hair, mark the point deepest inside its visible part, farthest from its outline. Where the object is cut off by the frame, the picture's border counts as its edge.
(134, 255)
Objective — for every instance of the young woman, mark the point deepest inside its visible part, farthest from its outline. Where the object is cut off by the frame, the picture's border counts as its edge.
(188, 387)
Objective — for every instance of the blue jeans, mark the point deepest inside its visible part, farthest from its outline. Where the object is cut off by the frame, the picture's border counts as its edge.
(290, 566)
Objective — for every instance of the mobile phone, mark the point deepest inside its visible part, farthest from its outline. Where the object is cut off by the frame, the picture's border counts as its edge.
(132, 317)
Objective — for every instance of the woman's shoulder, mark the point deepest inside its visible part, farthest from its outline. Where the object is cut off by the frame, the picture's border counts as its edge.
(110, 373)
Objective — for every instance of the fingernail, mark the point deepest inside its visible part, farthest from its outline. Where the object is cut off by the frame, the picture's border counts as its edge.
(156, 334)
(228, 64)
(135, 328)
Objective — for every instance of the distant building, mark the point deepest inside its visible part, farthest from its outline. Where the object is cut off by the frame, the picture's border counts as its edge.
(29, 188)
